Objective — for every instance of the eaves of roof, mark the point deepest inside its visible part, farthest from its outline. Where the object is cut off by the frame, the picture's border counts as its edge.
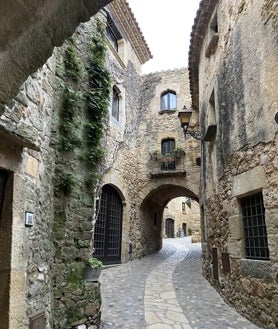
(125, 16)
(199, 29)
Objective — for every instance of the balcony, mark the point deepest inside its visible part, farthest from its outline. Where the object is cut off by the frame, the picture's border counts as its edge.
(168, 164)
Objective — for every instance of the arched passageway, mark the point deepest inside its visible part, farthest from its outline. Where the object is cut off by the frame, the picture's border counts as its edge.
(185, 214)
(151, 214)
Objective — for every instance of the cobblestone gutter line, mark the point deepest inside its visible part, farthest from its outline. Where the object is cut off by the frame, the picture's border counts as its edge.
(162, 310)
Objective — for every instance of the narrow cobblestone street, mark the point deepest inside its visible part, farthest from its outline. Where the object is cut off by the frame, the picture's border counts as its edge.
(165, 291)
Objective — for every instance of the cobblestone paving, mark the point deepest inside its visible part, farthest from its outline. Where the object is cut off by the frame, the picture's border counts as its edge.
(165, 291)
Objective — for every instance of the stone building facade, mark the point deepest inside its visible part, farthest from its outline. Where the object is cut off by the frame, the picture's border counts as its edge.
(48, 208)
(45, 231)
(181, 217)
(233, 79)
(138, 170)
(166, 161)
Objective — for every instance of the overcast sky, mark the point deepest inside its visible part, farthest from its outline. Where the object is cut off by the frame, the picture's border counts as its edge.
(166, 26)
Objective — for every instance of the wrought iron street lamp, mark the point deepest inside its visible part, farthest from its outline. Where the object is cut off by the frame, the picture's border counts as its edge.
(185, 116)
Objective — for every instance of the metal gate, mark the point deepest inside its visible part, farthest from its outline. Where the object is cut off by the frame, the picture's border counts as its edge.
(170, 228)
(108, 228)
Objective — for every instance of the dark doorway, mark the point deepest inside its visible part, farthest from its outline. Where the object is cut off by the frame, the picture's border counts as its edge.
(108, 228)
(6, 197)
(184, 228)
(170, 228)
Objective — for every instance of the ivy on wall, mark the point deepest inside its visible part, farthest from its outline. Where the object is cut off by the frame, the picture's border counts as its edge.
(84, 106)
(78, 130)
(98, 102)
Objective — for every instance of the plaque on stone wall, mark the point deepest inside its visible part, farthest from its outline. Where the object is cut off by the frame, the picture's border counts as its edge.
(37, 321)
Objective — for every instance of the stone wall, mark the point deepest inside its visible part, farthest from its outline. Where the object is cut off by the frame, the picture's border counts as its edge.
(42, 26)
(237, 103)
(155, 189)
(49, 256)
(29, 116)
(186, 215)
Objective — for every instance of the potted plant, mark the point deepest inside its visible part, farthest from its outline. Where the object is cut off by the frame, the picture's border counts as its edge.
(93, 269)
(179, 151)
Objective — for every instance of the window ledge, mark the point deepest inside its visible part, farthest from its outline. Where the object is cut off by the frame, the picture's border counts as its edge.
(168, 111)
(116, 54)
(256, 268)
(210, 133)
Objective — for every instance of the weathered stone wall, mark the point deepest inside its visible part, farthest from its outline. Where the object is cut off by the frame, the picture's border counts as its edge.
(154, 125)
(29, 115)
(51, 182)
(49, 256)
(187, 214)
(237, 81)
(42, 26)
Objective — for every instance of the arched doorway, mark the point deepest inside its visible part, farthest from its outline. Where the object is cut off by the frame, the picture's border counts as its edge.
(108, 228)
(170, 228)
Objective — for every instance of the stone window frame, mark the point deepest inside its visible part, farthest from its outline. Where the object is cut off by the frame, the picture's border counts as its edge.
(170, 143)
(247, 226)
(115, 40)
(211, 126)
(112, 33)
(116, 99)
(168, 107)
(212, 35)
(244, 184)
(119, 121)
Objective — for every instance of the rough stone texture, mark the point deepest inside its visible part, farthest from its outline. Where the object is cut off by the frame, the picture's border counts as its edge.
(45, 262)
(41, 25)
(189, 216)
(155, 189)
(242, 157)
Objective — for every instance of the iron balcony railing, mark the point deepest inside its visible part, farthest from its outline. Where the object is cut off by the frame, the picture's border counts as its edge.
(168, 165)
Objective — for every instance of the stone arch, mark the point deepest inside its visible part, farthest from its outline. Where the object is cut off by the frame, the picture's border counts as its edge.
(31, 30)
(151, 210)
(108, 226)
(112, 179)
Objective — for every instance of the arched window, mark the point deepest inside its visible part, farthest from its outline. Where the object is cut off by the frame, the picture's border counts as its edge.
(168, 146)
(168, 101)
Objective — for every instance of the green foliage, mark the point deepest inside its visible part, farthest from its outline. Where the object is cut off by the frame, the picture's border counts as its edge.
(74, 275)
(73, 67)
(65, 182)
(91, 180)
(69, 128)
(94, 262)
(97, 98)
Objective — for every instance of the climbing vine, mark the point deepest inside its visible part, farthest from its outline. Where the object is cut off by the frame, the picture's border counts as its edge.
(98, 101)
(75, 132)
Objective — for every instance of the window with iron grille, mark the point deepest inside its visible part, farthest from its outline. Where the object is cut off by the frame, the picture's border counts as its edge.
(255, 235)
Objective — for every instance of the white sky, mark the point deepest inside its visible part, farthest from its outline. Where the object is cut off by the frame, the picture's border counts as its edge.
(166, 26)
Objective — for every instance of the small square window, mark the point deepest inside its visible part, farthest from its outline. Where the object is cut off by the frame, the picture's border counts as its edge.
(254, 227)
